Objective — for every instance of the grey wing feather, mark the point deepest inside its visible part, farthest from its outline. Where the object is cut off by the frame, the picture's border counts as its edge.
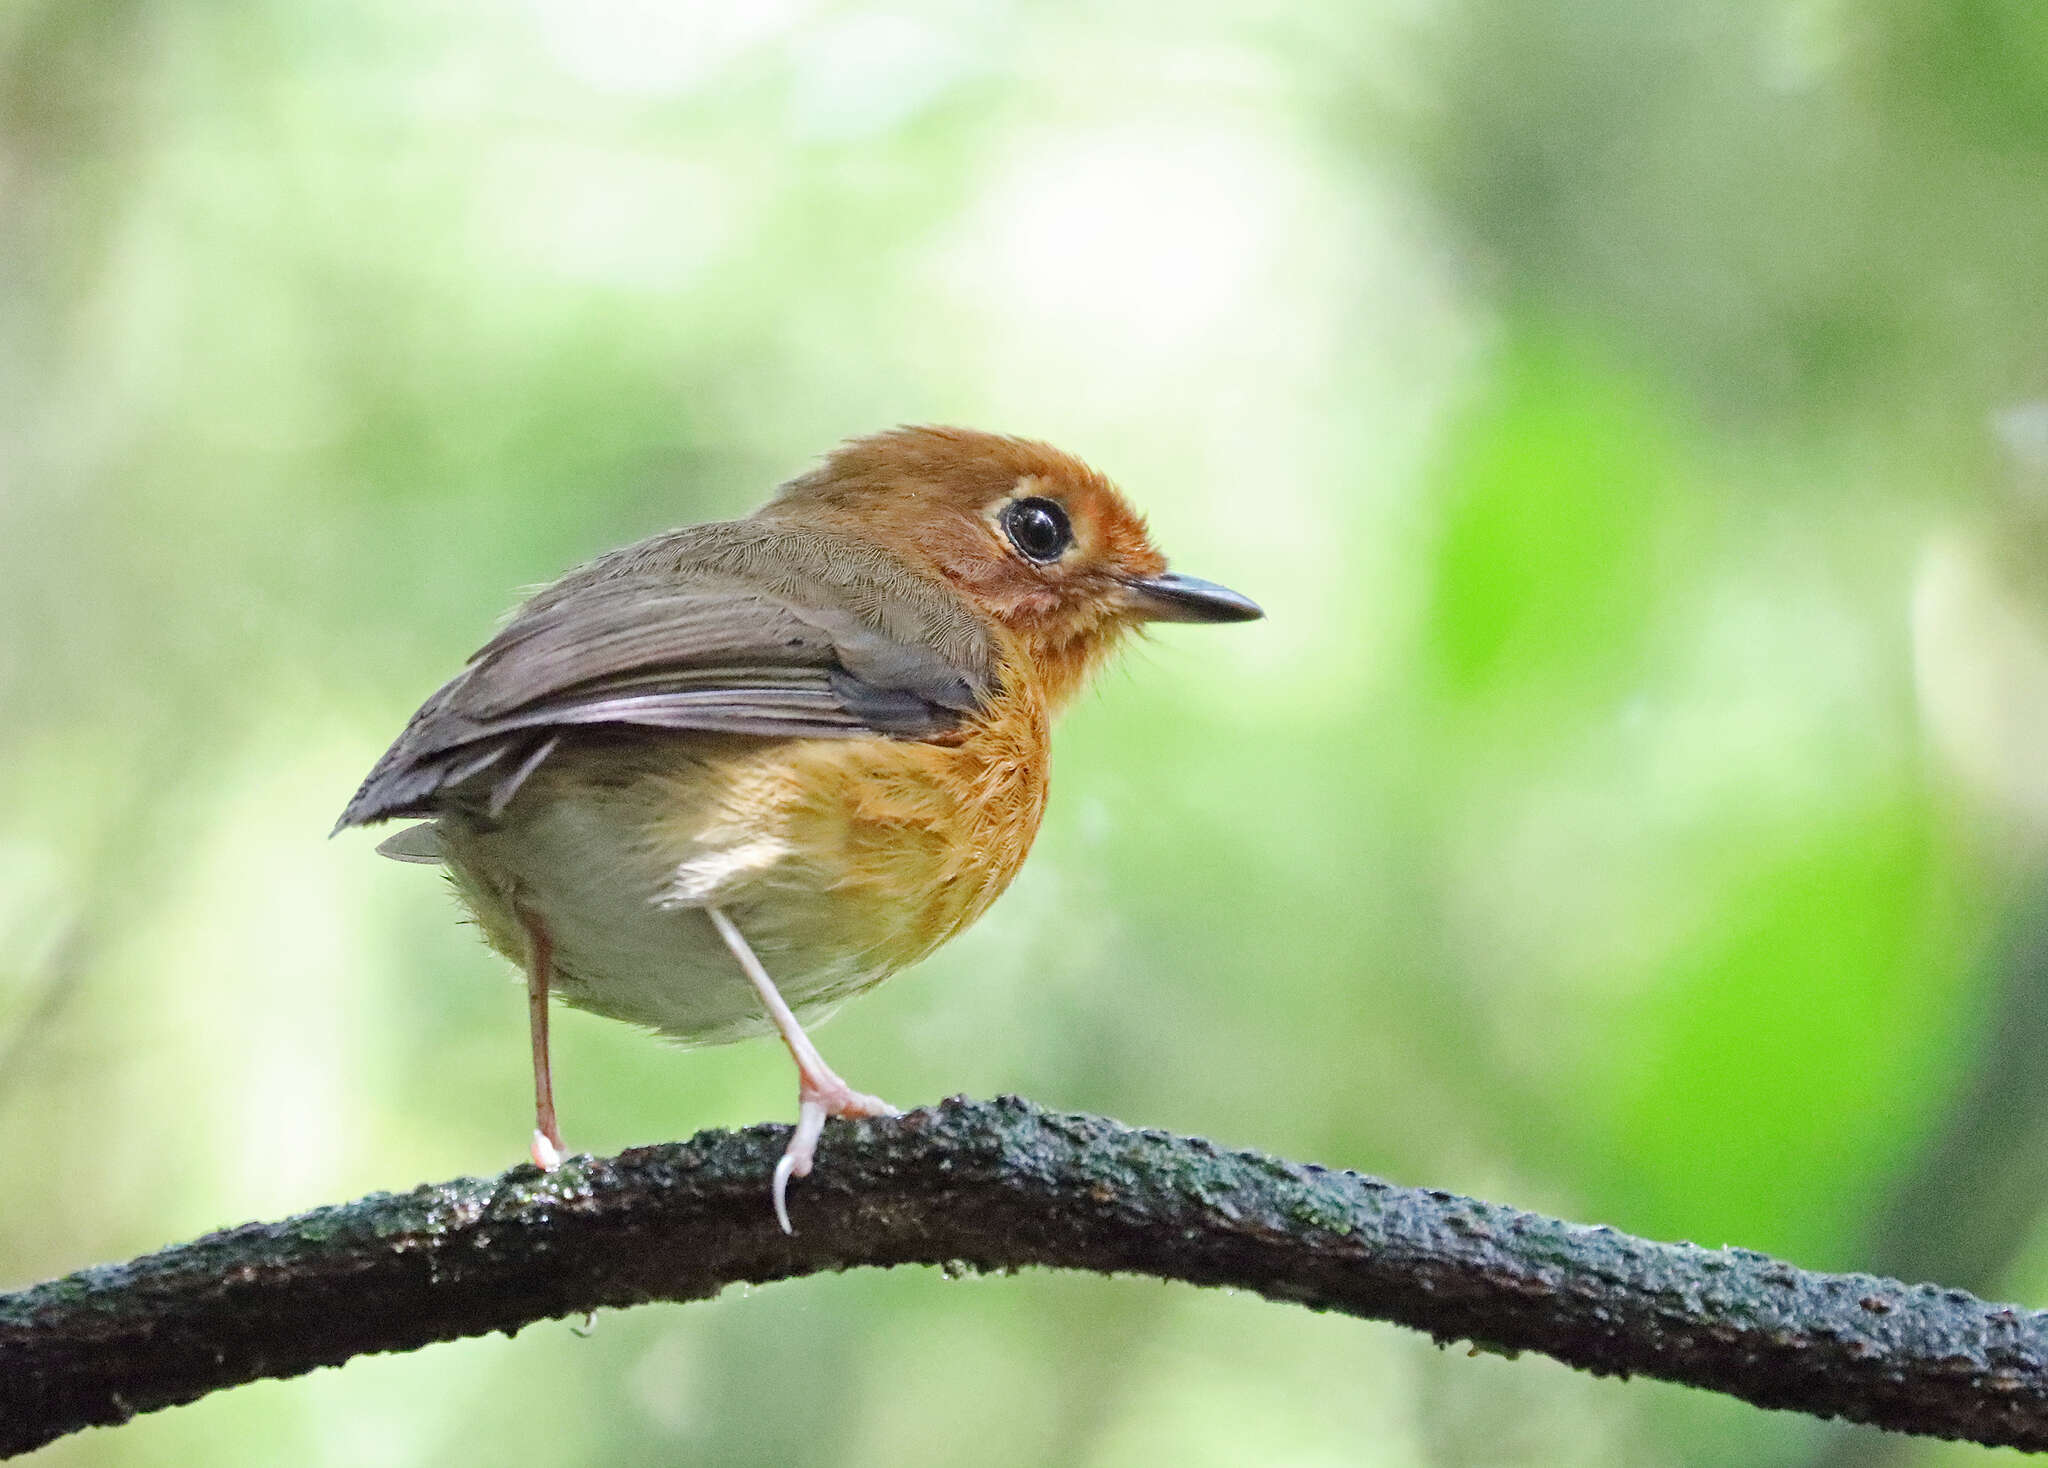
(685, 648)
(421, 843)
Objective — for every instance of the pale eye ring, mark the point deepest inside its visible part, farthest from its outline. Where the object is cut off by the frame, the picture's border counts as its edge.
(1038, 528)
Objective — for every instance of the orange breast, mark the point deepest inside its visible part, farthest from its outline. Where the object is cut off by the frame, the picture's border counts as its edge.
(912, 841)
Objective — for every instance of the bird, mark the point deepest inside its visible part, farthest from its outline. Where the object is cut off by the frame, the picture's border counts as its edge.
(722, 779)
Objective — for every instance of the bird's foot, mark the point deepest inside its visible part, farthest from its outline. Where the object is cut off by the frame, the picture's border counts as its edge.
(817, 1098)
(545, 1151)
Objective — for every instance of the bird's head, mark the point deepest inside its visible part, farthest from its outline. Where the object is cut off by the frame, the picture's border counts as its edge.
(1041, 543)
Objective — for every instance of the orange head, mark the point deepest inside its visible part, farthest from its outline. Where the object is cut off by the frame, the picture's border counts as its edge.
(1041, 543)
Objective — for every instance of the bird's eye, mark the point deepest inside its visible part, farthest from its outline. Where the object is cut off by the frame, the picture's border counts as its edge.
(1038, 528)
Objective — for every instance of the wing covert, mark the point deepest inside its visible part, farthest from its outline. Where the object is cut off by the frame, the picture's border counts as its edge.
(687, 647)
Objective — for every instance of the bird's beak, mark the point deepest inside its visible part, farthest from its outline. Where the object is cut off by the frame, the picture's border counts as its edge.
(1172, 597)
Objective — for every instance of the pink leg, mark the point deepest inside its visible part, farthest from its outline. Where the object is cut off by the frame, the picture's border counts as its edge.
(546, 1147)
(820, 1091)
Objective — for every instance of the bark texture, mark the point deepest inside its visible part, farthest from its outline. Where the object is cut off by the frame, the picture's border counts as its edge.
(1001, 1185)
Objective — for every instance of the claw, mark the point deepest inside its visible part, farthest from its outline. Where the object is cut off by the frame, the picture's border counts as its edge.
(815, 1102)
(798, 1155)
(546, 1155)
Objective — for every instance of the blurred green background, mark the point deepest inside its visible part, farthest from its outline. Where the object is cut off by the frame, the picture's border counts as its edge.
(1634, 420)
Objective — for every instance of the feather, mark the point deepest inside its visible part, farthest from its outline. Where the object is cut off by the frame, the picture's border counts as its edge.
(420, 843)
(741, 628)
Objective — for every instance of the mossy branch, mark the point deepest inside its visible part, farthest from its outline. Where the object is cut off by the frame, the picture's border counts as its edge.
(1001, 1185)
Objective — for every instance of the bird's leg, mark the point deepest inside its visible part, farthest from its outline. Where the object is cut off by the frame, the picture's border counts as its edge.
(546, 1148)
(820, 1091)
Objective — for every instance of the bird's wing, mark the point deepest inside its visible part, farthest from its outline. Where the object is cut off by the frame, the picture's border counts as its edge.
(687, 647)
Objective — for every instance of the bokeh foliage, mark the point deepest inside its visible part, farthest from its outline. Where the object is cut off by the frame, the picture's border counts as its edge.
(1633, 419)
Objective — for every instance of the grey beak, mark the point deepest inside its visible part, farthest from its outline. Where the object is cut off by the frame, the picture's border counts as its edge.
(1172, 597)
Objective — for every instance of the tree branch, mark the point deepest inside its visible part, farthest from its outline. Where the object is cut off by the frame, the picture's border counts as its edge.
(1000, 1185)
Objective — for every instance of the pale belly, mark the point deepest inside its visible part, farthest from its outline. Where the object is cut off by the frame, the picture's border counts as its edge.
(841, 863)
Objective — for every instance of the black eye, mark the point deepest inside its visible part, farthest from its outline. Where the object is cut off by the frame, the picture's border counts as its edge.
(1038, 528)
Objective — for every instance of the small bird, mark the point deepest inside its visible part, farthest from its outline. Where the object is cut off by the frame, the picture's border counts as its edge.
(742, 771)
